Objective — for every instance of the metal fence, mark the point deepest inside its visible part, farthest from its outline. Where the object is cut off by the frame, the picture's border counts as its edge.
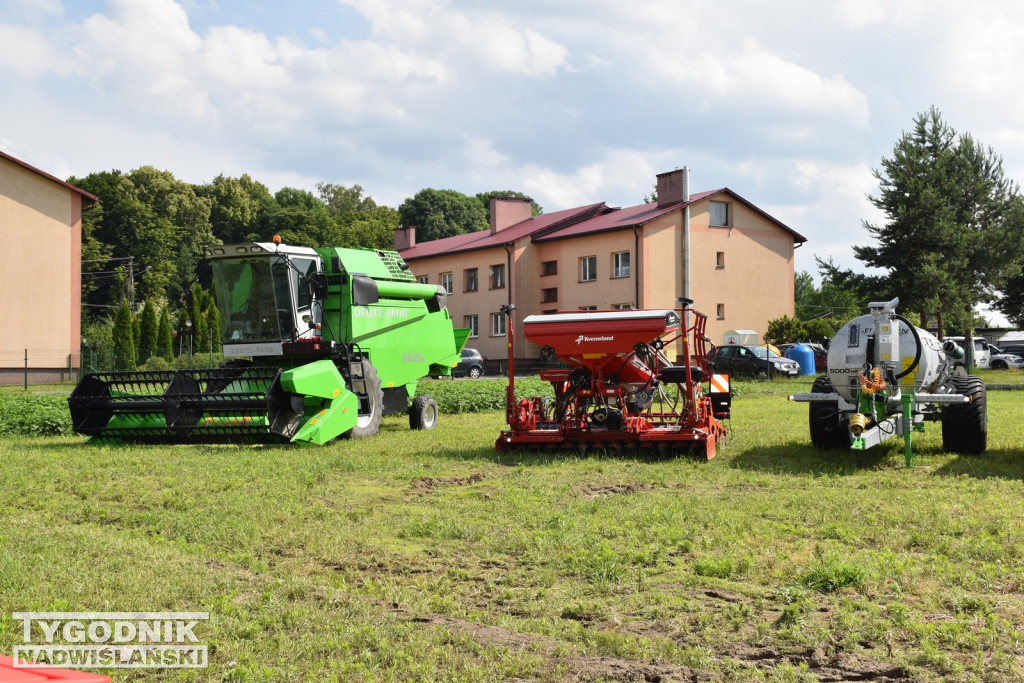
(29, 367)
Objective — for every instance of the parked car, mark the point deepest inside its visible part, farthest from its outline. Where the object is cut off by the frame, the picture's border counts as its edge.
(758, 361)
(1015, 349)
(471, 364)
(1000, 359)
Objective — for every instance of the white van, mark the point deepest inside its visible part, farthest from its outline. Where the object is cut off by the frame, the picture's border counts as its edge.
(982, 351)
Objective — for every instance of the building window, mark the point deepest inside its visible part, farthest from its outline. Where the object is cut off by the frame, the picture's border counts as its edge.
(549, 295)
(446, 282)
(588, 308)
(473, 323)
(588, 269)
(423, 279)
(721, 311)
(471, 283)
(719, 259)
(549, 268)
(620, 264)
(497, 324)
(622, 307)
(550, 311)
(498, 276)
(719, 213)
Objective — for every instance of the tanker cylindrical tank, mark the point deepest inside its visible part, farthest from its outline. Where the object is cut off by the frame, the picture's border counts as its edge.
(852, 350)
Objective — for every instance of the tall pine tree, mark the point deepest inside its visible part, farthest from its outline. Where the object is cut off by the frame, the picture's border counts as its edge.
(948, 208)
(124, 339)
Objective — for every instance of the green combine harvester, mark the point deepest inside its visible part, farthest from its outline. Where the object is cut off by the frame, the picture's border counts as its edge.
(323, 343)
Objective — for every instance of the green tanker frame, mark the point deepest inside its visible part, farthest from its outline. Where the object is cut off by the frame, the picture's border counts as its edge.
(322, 343)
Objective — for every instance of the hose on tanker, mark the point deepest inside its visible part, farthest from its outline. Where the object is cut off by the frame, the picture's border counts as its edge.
(917, 341)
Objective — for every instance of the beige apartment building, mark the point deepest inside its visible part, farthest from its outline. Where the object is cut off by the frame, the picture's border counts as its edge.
(41, 229)
(596, 257)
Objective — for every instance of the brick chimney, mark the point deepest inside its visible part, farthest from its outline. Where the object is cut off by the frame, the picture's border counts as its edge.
(670, 187)
(405, 237)
(507, 211)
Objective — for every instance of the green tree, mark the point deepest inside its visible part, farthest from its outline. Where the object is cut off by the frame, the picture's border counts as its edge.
(949, 210)
(148, 330)
(374, 229)
(123, 339)
(213, 323)
(200, 324)
(442, 213)
(165, 341)
(341, 200)
(236, 205)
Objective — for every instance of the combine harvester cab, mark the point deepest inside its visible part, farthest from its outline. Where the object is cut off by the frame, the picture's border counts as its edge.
(619, 391)
(322, 343)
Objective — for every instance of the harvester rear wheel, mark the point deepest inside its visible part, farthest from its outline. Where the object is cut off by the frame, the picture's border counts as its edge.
(368, 423)
(965, 425)
(827, 431)
(423, 413)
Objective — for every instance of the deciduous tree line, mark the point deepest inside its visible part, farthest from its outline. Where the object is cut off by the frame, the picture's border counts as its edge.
(162, 223)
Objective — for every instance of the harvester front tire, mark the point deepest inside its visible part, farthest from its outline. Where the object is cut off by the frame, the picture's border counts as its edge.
(827, 431)
(965, 425)
(423, 413)
(368, 424)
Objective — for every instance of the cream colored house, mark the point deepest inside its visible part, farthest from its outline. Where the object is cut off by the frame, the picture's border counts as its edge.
(599, 257)
(40, 280)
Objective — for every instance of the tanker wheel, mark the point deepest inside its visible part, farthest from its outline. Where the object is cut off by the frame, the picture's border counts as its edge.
(370, 414)
(965, 425)
(423, 413)
(828, 432)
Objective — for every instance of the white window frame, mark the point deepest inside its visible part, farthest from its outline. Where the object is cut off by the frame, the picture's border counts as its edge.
(473, 323)
(423, 279)
(588, 308)
(448, 282)
(497, 324)
(622, 307)
(588, 273)
(618, 268)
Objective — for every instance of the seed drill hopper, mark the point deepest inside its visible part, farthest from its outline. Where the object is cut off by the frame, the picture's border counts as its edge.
(619, 391)
(322, 343)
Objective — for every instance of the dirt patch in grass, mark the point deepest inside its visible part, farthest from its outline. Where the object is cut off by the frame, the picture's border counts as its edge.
(598, 490)
(841, 666)
(424, 485)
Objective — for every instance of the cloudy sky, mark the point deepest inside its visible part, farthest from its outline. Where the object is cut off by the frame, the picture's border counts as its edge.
(789, 104)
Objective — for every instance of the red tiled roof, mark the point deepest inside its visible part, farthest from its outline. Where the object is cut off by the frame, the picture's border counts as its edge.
(483, 239)
(584, 220)
(19, 162)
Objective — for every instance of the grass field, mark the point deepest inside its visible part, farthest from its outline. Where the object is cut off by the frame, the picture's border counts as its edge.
(425, 556)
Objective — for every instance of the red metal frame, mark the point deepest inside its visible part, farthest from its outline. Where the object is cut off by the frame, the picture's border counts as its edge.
(618, 391)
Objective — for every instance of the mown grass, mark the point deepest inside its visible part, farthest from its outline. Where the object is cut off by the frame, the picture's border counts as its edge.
(425, 555)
